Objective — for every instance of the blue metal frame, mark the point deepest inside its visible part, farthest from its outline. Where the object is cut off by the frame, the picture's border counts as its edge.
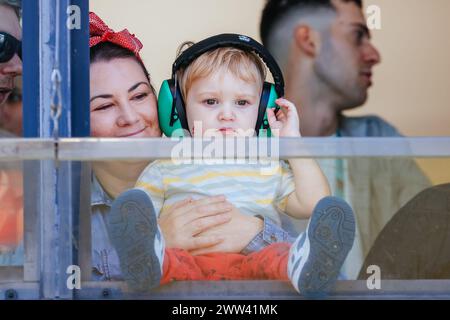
(52, 191)
(52, 194)
(80, 113)
(31, 94)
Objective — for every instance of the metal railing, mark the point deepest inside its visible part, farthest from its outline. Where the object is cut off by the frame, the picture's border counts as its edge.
(90, 149)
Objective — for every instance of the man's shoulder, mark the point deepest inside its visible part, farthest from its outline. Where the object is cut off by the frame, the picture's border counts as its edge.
(367, 126)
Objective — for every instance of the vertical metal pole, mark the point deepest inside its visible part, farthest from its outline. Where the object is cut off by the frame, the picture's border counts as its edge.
(80, 116)
(31, 124)
(54, 194)
(53, 252)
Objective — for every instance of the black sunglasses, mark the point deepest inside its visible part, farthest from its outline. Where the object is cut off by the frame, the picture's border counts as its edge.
(9, 46)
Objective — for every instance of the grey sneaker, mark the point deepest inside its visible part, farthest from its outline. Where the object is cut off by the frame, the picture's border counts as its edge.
(134, 232)
(317, 255)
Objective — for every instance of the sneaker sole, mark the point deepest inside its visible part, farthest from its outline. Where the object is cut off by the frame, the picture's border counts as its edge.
(132, 227)
(331, 235)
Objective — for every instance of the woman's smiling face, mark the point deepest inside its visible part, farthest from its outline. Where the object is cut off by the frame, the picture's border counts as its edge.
(122, 102)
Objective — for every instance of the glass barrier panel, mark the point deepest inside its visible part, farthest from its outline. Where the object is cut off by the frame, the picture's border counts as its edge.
(399, 195)
(401, 208)
(11, 215)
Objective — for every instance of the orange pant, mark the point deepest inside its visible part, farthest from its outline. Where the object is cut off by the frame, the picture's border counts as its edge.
(269, 263)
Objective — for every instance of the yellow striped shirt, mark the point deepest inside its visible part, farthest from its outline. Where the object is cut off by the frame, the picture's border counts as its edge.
(246, 186)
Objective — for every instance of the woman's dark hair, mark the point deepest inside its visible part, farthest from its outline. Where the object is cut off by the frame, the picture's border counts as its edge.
(107, 51)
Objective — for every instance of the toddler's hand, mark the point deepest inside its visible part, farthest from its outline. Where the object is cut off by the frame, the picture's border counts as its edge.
(285, 122)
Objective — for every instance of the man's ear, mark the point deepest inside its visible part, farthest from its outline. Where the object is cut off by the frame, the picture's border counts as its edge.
(307, 40)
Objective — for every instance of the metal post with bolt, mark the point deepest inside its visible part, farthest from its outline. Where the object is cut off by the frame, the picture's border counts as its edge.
(56, 105)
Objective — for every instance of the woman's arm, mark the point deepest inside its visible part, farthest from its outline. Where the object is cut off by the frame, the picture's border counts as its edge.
(208, 225)
(182, 225)
(237, 233)
(246, 234)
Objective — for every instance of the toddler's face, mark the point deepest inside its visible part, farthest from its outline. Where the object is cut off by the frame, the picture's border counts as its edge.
(223, 104)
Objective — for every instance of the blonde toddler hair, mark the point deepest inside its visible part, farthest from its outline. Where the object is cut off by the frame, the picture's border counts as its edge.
(243, 64)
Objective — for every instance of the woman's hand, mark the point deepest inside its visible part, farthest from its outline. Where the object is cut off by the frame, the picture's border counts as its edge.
(285, 122)
(184, 223)
(236, 234)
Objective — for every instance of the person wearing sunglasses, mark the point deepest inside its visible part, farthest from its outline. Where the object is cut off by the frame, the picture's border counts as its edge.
(10, 47)
(11, 112)
(11, 190)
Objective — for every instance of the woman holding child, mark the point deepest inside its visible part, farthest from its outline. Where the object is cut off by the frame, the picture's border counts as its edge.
(123, 104)
(129, 238)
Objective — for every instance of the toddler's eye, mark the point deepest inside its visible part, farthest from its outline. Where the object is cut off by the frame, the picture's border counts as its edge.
(210, 102)
(242, 103)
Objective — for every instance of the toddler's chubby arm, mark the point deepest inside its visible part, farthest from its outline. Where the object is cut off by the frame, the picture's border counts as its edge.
(311, 184)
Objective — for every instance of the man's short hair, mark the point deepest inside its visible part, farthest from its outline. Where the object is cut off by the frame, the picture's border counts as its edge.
(280, 17)
(275, 10)
(15, 4)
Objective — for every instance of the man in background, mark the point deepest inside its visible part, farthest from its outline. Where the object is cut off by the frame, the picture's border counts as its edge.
(10, 62)
(325, 52)
(11, 191)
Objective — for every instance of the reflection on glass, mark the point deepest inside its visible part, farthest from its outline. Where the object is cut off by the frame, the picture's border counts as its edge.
(382, 192)
(415, 243)
(402, 212)
(11, 214)
(376, 188)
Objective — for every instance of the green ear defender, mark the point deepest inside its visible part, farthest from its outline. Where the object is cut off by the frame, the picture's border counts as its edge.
(268, 97)
(169, 118)
(171, 108)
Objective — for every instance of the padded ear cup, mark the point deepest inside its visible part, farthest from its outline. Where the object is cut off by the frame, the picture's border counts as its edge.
(171, 113)
(268, 97)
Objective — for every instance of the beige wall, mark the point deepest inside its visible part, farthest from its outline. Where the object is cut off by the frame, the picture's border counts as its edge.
(411, 88)
(162, 25)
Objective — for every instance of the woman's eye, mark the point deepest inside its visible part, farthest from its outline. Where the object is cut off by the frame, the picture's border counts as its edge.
(104, 107)
(141, 96)
(210, 102)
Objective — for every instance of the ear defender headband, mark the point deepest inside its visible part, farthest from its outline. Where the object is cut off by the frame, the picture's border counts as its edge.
(171, 107)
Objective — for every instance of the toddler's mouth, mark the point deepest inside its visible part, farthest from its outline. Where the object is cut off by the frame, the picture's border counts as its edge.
(227, 130)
